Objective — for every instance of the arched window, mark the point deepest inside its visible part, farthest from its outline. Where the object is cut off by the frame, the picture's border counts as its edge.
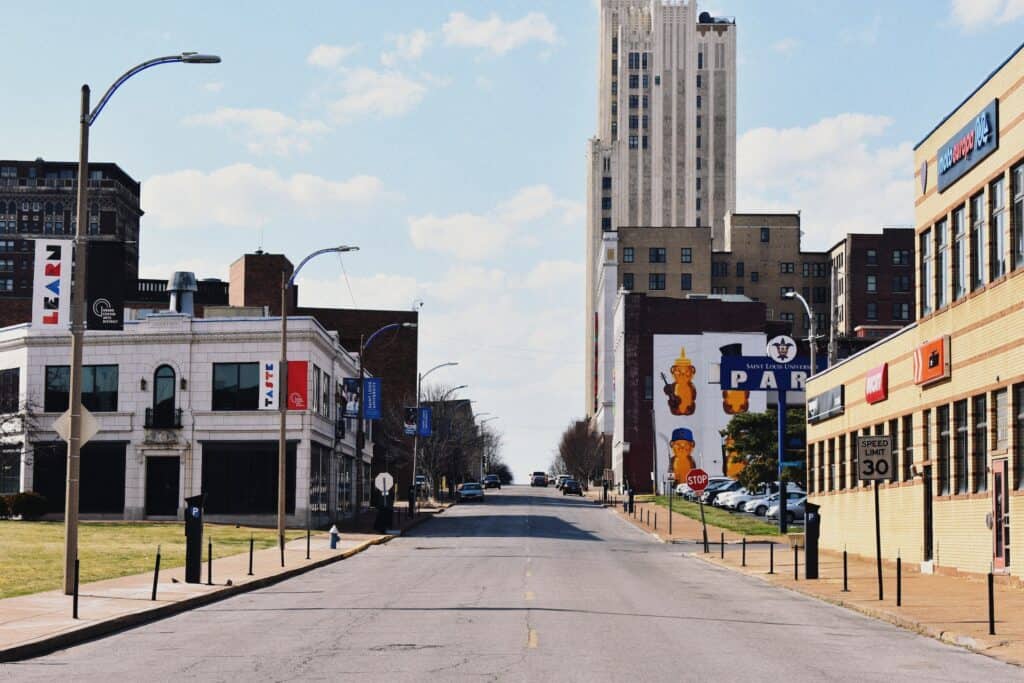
(163, 397)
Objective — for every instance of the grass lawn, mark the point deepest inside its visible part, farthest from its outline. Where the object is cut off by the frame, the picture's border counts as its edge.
(32, 553)
(741, 524)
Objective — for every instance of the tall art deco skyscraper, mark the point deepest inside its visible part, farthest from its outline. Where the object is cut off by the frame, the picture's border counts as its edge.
(665, 150)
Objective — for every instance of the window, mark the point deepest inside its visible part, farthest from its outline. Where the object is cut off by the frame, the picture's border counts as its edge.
(831, 464)
(648, 388)
(786, 317)
(634, 60)
(754, 276)
(980, 464)
(6, 284)
(926, 435)
(699, 80)
(872, 283)
(627, 281)
(1018, 434)
(698, 142)
(740, 290)
(657, 80)
(643, 138)
(236, 386)
(9, 390)
(99, 388)
(765, 235)
(786, 267)
(656, 255)
(977, 241)
(784, 290)
(634, 82)
(698, 163)
(871, 257)
(646, 83)
(942, 419)
(842, 461)
(627, 254)
(941, 249)
(163, 397)
(901, 257)
(634, 141)
(606, 183)
(820, 295)
(700, 59)
(1000, 413)
(959, 254)
(606, 203)
(686, 282)
(643, 101)
(997, 229)
(606, 223)
(719, 290)
(739, 269)
(634, 122)
(698, 204)
(698, 183)
(872, 310)
(615, 45)
(1017, 218)
(643, 121)
(634, 100)
(960, 446)
(719, 269)
(901, 311)
(908, 447)
(901, 283)
(643, 60)
(686, 255)
(698, 121)
(698, 101)
(656, 281)
(926, 272)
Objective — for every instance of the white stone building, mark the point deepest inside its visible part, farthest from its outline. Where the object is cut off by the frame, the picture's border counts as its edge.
(176, 401)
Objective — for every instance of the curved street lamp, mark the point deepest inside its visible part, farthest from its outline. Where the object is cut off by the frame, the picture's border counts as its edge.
(813, 331)
(78, 275)
(282, 387)
(451, 391)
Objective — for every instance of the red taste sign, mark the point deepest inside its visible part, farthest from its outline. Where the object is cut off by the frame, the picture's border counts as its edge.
(876, 384)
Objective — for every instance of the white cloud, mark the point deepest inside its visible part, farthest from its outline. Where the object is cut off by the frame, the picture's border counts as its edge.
(547, 275)
(367, 92)
(495, 34)
(786, 45)
(264, 130)
(836, 171)
(330, 56)
(246, 196)
(866, 34)
(213, 86)
(472, 236)
(974, 14)
(408, 46)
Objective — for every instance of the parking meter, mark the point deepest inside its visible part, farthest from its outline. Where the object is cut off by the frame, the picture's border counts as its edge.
(812, 529)
(194, 538)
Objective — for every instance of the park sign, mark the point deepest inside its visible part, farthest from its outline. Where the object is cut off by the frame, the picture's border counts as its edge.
(761, 373)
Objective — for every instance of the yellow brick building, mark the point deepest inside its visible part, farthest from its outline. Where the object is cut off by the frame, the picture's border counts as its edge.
(949, 388)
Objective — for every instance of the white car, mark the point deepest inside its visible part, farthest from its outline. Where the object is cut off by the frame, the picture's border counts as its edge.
(682, 489)
(760, 506)
(728, 499)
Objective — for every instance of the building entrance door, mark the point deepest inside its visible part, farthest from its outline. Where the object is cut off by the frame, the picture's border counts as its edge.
(926, 480)
(162, 485)
(1000, 516)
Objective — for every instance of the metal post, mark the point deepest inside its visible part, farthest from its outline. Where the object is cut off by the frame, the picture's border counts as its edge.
(878, 544)
(704, 526)
(209, 563)
(359, 431)
(899, 581)
(655, 520)
(796, 562)
(156, 573)
(781, 409)
(743, 561)
(846, 586)
(415, 441)
(307, 542)
(282, 408)
(721, 545)
(771, 557)
(250, 554)
(74, 592)
(78, 275)
(991, 605)
(670, 507)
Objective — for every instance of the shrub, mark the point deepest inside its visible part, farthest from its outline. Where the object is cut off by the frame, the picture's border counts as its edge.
(5, 509)
(30, 505)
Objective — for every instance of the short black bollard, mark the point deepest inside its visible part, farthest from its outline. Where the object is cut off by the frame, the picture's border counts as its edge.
(743, 561)
(655, 521)
(846, 585)
(282, 549)
(991, 601)
(721, 545)
(771, 557)
(899, 581)
(307, 543)
(250, 553)
(156, 572)
(209, 563)
(796, 562)
(74, 597)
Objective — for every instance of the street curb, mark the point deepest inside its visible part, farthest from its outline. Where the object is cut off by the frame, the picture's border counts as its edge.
(95, 631)
(978, 646)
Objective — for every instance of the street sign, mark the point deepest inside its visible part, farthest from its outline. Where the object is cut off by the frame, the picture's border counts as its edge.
(781, 349)
(697, 480)
(383, 482)
(62, 425)
(671, 477)
(875, 459)
(760, 373)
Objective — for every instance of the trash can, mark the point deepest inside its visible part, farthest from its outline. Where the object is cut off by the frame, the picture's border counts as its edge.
(194, 538)
(812, 529)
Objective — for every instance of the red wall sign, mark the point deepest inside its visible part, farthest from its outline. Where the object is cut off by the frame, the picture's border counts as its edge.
(931, 361)
(298, 385)
(876, 384)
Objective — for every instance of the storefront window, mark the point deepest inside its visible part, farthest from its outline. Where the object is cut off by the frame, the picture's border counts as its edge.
(908, 447)
(959, 254)
(1018, 437)
(1000, 413)
(842, 461)
(10, 469)
(831, 464)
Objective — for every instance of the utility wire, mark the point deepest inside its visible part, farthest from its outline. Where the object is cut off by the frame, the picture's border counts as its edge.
(348, 284)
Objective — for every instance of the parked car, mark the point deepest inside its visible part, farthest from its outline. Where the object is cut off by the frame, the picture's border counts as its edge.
(421, 482)
(794, 509)
(712, 483)
(561, 479)
(738, 501)
(492, 481)
(471, 490)
(709, 495)
(727, 499)
(571, 486)
(538, 479)
(759, 506)
(683, 490)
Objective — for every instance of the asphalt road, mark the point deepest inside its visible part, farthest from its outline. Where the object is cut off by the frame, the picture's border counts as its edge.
(527, 586)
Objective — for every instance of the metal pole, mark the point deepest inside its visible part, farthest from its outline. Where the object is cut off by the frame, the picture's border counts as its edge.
(796, 562)
(721, 545)
(846, 586)
(250, 554)
(771, 557)
(156, 572)
(670, 487)
(813, 340)
(359, 432)
(74, 592)
(282, 408)
(991, 605)
(704, 525)
(899, 581)
(415, 445)
(743, 561)
(209, 563)
(878, 544)
(781, 409)
(78, 275)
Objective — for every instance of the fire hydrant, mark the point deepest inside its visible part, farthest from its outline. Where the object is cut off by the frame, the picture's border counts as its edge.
(335, 536)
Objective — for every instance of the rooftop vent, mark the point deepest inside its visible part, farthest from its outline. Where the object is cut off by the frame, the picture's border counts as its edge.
(182, 287)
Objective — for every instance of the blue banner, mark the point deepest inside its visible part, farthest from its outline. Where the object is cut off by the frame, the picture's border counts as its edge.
(371, 398)
(426, 421)
(761, 373)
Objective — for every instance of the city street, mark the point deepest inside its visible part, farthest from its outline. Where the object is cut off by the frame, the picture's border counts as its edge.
(529, 585)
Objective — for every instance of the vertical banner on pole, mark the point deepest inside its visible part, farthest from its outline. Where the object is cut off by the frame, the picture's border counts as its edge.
(270, 385)
(51, 285)
(371, 398)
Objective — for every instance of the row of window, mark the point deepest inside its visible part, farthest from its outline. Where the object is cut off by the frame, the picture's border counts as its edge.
(900, 257)
(960, 436)
(978, 242)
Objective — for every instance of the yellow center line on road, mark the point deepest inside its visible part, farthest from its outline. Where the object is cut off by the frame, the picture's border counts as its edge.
(531, 639)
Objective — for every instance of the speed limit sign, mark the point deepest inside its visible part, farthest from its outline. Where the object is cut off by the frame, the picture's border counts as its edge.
(875, 458)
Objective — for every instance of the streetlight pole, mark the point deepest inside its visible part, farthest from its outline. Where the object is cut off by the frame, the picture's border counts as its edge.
(813, 338)
(282, 389)
(416, 434)
(483, 441)
(78, 274)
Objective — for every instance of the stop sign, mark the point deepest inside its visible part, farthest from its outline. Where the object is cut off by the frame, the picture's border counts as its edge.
(697, 480)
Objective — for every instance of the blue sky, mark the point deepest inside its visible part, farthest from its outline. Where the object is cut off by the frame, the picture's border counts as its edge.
(447, 139)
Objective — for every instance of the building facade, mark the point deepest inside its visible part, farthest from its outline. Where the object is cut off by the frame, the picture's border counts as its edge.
(178, 403)
(950, 387)
(665, 149)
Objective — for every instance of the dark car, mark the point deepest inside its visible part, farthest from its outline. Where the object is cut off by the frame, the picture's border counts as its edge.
(538, 479)
(492, 481)
(709, 495)
(571, 486)
(469, 491)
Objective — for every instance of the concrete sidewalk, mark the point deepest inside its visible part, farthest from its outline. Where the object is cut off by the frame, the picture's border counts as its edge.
(951, 608)
(31, 625)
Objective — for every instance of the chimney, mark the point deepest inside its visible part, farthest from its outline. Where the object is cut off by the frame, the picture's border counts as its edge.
(182, 287)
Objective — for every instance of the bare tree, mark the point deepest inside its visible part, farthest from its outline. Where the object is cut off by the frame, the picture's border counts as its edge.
(455, 445)
(580, 452)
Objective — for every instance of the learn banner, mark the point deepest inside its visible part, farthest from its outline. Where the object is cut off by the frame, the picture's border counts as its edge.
(51, 286)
